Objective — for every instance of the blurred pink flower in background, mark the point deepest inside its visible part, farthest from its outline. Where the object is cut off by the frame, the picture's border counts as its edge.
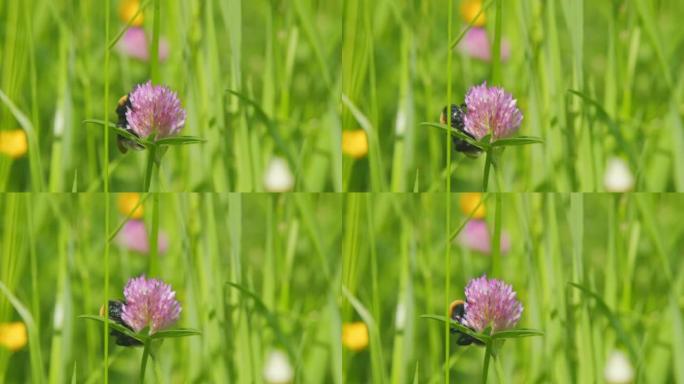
(134, 43)
(133, 237)
(477, 237)
(477, 45)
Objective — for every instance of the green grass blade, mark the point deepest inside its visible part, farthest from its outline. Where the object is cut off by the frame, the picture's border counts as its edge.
(36, 357)
(37, 181)
(377, 359)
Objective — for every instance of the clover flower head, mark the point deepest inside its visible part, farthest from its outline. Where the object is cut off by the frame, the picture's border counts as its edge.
(155, 109)
(491, 110)
(491, 303)
(149, 303)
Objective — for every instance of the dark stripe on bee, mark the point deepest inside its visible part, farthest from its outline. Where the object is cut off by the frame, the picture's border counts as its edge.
(115, 309)
(123, 143)
(457, 313)
(457, 122)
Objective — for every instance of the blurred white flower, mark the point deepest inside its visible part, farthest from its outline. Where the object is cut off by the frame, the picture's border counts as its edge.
(278, 177)
(400, 316)
(402, 121)
(618, 369)
(277, 369)
(618, 177)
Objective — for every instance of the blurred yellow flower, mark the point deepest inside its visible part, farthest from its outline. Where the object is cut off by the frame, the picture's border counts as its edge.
(355, 143)
(469, 201)
(355, 335)
(127, 10)
(128, 201)
(470, 9)
(13, 335)
(13, 143)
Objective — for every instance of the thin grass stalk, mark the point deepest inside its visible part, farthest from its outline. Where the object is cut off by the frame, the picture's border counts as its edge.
(496, 47)
(35, 293)
(375, 290)
(154, 237)
(496, 241)
(447, 224)
(154, 51)
(105, 177)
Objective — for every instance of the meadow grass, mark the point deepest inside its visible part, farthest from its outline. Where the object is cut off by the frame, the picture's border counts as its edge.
(252, 273)
(594, 80)
(61, 66)
(594, 273)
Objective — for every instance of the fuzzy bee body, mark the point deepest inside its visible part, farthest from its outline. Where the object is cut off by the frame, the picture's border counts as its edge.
(115, 309)
(122, 142)
(457, 313)
(457, 122)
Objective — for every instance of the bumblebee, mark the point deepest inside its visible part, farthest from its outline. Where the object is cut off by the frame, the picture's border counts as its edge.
(457, 313)
(115, 308)
(122, 142)
(457, 114)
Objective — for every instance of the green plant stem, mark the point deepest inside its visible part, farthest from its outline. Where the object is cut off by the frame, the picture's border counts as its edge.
(105, 165)
(151, 155)
(145, 356)
(500, 378)
(488, 165)
(485, 366)
(498, 179)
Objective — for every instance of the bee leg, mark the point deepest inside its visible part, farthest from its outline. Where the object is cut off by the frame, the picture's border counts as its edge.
(121, 144)
(464, 339)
